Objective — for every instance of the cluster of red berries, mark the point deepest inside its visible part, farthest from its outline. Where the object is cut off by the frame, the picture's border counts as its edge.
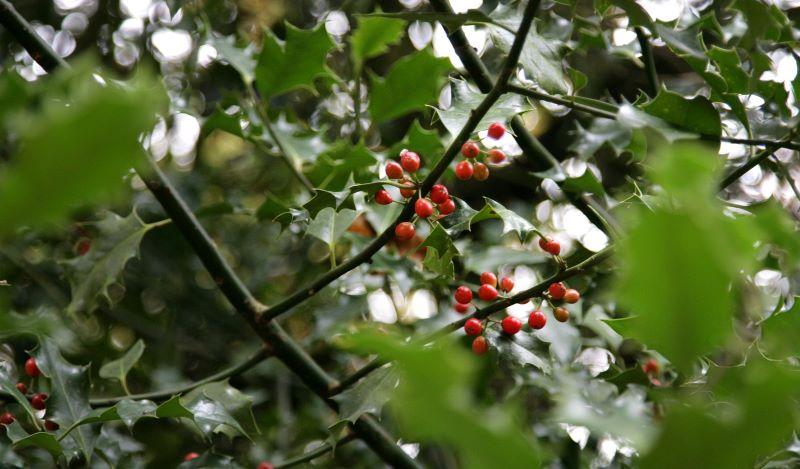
(261, 465)
(37, 400)
(486, 292)
(409, 161)
(437, 203)
(471, 151)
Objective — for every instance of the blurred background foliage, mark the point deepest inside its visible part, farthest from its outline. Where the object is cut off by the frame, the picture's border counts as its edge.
(342, 89)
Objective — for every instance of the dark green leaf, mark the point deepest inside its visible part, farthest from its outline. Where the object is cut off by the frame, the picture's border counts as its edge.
(329, 225)
(540, 59)
(21, 439)
(118, 369)
(368, 395)
(466, 98)
(373, 36)
(695, 115)
(240, 59)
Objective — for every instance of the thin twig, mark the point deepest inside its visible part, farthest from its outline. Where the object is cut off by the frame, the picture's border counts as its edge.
(649, 60)
(23, 32)
(314, 453)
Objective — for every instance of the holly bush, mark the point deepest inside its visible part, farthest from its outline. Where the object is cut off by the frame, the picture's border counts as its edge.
(399, 233)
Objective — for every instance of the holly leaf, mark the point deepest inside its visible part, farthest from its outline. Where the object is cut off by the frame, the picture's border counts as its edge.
(780, 333)
(610, 133)
(439, 252)
(426, 143)
(329, 225)
(333, 169)
(391, 96)
(634, 118)
(22, 439)
(240, 59)
(466, 97)
(118, 369)
(287, 65)
(511, 221)
(8, 381)
(69, 394)
(516, 350)
(373, 36)
(462, 219)
(696, 114)
(91, 274)
(540, 59)
(90, 142)
(369, 395)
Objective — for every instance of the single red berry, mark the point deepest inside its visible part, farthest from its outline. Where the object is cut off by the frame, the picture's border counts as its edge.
(496, 156)
(404, 231)
(461, 308)
(496, 130)
(511, 325)
(463, 295)
(394, 170)
(561, 314)
(651, 367)
(423, 208)
(265, 465)
(31, 368)
(410, 161)
(37, 401)
(506, 284)
(464, 170)
(470, 150)
(487, 292)
(439, 194)
(50, 426)
(480, 345)
(22, 388)
(537, 320)
(82, 246)
(447, 207)
(543, 242)
(488, 278)
(6, 418)
(480, 172)
(553, 248)
(572, 296)
(473, 326)
(557, 290)
(190, 456)
(383, 197)
(407, 193)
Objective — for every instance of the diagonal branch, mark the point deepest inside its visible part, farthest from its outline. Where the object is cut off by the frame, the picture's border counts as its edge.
(38, 49)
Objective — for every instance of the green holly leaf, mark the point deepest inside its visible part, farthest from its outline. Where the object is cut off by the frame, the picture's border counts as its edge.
(240, 59)
(333, 169)
(427, 143)
(511, 221)
(22, 439)
(287, 65)
(369, 395)
(118, 369)
(329, 225)
(393, 96)
(730, 69)
(300, 145)
(540, 59)
(765, 22)
(695, 115)
(608, 133)
(462, 219)
(780, 332)
(172, 408)
(516, 350)
(8, 381)
(636, 119)
(91, 274)
(222, 120)
(69, 394)
(373, 36)
(439, 252)
(466, 97)
(90, 141)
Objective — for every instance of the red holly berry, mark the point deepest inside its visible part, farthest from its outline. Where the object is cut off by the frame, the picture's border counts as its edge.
(470, 150)
(404, 231)
(561, 314)
(190, 456)
(480, 345)
(407, 193)
(464, 170)
(82, 246)
(506, 284)
(6, 418)
(488, 278)
(31, 368)
(543, 242)
(550, 246)
(480, 172)
(511, 325)
(410, 161)
(461, 308)
(463, 295)
(496, 130)
(265, 465)
(439, 194)
(37, 401)
(394, 170)
(447, 207)
(423, 208)
(651, 367)
(473, 326)
(557, 290)
(572, 296)
(22, 388)
(383, 197)
(496, 156)
(537, 320)
(50, 426)
(487, 293)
